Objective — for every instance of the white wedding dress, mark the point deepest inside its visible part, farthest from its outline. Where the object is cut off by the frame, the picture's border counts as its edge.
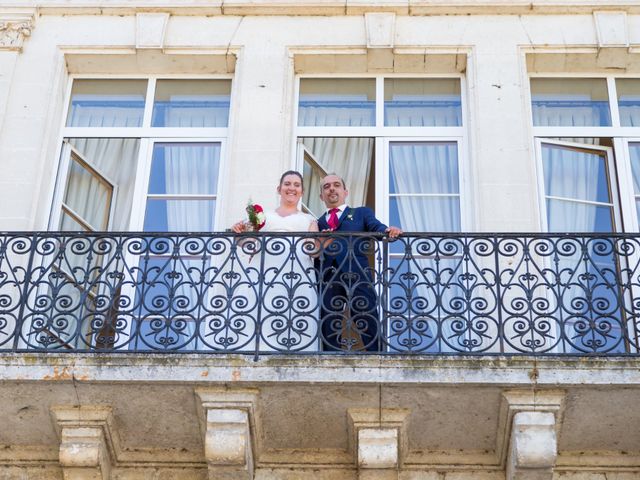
(276, 292)
(289, 307)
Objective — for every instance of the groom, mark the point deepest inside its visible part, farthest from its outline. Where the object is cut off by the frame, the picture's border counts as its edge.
(346, 277)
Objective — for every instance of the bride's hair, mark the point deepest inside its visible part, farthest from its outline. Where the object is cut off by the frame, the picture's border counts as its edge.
(292, 172)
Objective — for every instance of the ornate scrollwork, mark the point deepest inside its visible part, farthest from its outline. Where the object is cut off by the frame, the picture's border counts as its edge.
(283, 293)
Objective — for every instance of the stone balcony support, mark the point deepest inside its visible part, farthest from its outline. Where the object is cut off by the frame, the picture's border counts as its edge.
(85, 441)
(379, 440)
(529, 422)
(227, 421)
(533, 448)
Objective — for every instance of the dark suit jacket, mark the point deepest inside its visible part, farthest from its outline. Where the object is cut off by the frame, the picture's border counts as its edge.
(337, 255)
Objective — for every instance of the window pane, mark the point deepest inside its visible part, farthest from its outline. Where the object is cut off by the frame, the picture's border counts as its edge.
(107, 103)
(69, 224)
(185, 168)
(327, 102)
(629, 101)
(425, 214)
(191, 103)
(575, 174)
(634, 154)
(423, 168)
(422, 102)
(570, 102)
(88, 195)
(564, 216)
(117, 159)
(179, 215)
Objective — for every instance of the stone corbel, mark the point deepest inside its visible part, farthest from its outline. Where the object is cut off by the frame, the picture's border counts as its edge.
(86, 445)
(14, 28)
(379, 440)
(528, 429)
(228, 426)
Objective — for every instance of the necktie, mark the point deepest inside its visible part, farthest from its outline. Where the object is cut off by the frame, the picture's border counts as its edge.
(333, 218)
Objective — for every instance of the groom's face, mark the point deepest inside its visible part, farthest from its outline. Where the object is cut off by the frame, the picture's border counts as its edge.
(332, 191)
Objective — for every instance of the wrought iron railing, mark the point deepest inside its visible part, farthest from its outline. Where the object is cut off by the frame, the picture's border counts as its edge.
(495, 294)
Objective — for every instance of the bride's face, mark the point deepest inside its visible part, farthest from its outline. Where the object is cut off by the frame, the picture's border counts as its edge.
(290, 189)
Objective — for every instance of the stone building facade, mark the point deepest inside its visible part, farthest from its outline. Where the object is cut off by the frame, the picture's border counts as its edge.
(511, 90)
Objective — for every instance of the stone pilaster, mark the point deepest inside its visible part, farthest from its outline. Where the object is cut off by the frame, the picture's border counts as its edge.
(379, 440)
(227, 422)
(85, 441)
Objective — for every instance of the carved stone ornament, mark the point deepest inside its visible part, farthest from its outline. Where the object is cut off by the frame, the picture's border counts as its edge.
(13, 32)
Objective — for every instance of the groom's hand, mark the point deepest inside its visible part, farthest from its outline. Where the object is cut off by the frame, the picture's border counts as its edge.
(393, 232)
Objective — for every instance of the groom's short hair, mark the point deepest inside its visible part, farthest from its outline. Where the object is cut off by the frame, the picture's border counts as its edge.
(344, 185)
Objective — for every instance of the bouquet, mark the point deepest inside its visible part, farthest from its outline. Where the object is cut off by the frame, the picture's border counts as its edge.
(256, 217)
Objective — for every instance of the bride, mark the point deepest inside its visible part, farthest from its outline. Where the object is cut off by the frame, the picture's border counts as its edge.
(289, 307)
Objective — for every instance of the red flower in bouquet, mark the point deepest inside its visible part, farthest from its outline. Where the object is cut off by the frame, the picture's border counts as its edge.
(256, 216)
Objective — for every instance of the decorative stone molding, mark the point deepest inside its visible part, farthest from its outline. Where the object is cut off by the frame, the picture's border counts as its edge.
(611, 29)
(86, 447)
(380, 28)
(150, 29)
(526, 444)
(14, 28)
(379, 440)
(228, 426)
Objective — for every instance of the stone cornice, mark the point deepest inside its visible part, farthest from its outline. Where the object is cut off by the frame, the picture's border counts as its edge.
(323, 7)
(15, 26)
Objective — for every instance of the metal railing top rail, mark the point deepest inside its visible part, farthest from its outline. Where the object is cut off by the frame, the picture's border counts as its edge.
(316, 293)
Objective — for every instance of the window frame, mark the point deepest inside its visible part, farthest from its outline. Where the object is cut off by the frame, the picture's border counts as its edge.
(624, 210)
(147, 135)
(383, 135)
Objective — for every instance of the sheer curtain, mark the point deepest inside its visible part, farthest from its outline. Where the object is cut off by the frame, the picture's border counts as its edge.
(430, 114)
(350, 158)
(570, 174)
(580, 177)
(191, 169)
(424, 184)
(116, 158)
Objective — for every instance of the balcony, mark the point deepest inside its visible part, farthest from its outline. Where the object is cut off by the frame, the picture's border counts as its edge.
(260, 294)
(159, 343)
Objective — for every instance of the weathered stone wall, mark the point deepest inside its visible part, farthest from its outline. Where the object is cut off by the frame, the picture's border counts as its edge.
(44, 45)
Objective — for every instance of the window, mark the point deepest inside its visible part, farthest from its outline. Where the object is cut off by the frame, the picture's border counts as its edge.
(137, 154)
(587, 133)
(399, 143)
(378, 131)
(156, 142)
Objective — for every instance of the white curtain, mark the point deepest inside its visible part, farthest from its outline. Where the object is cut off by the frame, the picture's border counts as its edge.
(116, 158)
(438, 114)
(332, 116)
(430, 168)
(194, 111)
(634, 153)
(575, 175)
(427, 169)
(191, 169)
(350, 158)
(123, 111)
(630, 114)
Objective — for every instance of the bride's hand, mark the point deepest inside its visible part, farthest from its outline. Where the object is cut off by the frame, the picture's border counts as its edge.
(239, 227)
